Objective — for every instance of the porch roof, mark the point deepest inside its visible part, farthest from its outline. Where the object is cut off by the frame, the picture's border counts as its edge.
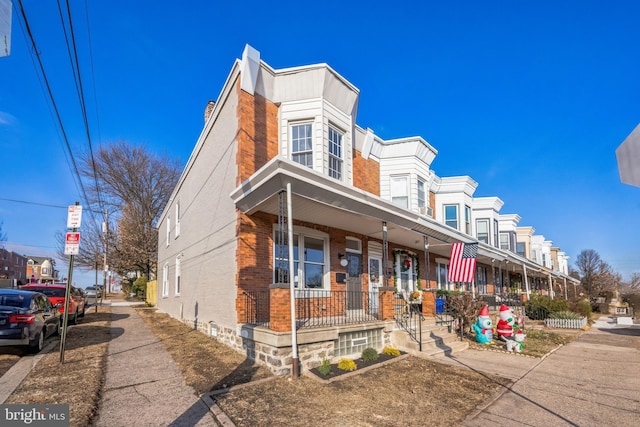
(319, 199)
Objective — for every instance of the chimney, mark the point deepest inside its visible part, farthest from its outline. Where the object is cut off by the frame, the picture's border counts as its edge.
(208, 110)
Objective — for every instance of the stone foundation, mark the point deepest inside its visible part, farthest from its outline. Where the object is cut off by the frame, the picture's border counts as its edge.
(273, 349)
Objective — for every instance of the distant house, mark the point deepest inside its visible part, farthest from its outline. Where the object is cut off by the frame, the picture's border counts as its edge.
(281, 168)
(13, 268)
(41, 270)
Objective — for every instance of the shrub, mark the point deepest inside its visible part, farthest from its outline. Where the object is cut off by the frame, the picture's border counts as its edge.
(325, 367)
(139, 286)
(390, 351)
(369, 354)
(565, 315)
(540, 307)
(583, 307)
(347, 365)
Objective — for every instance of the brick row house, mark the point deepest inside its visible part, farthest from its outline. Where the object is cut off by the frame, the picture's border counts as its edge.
(284, 190)
(13, 268)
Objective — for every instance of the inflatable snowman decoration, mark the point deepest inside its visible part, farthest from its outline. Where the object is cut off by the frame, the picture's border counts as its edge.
(483, 327)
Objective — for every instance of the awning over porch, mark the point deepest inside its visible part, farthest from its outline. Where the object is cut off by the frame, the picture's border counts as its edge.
(319, 199)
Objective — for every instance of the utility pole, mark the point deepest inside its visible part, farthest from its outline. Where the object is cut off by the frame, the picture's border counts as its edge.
(105, 230)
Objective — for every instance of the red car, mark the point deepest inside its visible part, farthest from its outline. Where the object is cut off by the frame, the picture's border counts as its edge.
(56, 292)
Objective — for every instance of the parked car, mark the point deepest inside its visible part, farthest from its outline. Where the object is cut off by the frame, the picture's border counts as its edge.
(27, 319)
(56, 293)
(93, 292)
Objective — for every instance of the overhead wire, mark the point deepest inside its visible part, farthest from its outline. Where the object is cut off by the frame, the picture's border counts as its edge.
(52, 99)
(70, 40)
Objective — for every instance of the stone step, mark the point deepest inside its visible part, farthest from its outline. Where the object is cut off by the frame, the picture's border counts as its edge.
(436, 339)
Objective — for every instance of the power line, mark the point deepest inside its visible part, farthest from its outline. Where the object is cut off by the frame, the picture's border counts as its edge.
(52, 98)
(45, 204)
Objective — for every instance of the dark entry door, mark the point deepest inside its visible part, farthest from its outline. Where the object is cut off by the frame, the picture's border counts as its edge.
(354, 281)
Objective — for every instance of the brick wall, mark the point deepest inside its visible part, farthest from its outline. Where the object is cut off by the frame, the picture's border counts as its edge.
(257, 133)
(366, 174)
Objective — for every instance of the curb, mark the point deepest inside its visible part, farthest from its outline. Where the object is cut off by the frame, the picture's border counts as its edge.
(18, 372)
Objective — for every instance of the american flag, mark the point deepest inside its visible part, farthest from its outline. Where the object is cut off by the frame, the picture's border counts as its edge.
(462, 265)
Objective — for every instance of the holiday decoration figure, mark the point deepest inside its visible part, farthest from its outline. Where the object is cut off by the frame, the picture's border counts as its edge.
(483, 327)
(520, 336)
(504, 328)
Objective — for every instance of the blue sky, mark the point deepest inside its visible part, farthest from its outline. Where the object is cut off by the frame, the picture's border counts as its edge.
(530, 99)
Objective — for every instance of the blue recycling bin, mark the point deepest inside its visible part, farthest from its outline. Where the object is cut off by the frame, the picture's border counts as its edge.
(440, 305)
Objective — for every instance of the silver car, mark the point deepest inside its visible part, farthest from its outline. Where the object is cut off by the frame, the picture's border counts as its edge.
(93, 292)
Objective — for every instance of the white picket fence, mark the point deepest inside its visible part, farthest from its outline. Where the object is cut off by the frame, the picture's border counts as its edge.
(566, 323)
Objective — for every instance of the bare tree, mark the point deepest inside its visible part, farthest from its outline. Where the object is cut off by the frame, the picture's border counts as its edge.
(130, 186)
(588, 264)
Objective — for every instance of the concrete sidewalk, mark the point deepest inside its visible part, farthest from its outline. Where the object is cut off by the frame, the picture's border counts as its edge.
(143, 385)
(591, 381)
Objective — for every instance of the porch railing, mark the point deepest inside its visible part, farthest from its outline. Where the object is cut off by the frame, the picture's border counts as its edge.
(495, 301)
(314, 308)
(256, 305)
(408, 315)
(320, 308)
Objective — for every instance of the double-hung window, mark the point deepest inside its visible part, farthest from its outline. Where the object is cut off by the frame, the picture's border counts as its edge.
(482, 230)
(400, 191)
(335, 153)
(165, 280)
(504, 241)
(177, 218)
(495, 233)
(422, 199)
(467, 220)
(309, 260)
(178, 274)
(168, 230)
(302, 144)
(451, 215)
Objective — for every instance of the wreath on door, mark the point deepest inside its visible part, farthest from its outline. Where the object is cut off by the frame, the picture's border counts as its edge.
(410, 259)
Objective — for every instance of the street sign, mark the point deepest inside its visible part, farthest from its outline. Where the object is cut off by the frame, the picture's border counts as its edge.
(72, 243)
(74, 217)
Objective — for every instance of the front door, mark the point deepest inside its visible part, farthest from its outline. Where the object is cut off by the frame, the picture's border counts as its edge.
(375, 281)
(354, 281)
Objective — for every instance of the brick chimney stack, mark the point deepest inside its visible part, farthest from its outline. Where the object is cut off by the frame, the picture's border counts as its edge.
(208, 110)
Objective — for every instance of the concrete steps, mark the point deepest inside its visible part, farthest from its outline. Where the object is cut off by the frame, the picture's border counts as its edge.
(436, 339)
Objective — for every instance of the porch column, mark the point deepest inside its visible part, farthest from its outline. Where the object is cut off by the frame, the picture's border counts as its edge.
(386, 303)
(385, 254)
(526, 280)
(279, 307)
(566, 296)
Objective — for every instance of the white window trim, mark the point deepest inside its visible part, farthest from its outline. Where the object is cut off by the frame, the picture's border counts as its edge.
(168, 230)
(340, 159)
(177, 219)
(165, 280)
(290, 127)
(395, 184)
(301, 233)
(444, 214)
(178, 274)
